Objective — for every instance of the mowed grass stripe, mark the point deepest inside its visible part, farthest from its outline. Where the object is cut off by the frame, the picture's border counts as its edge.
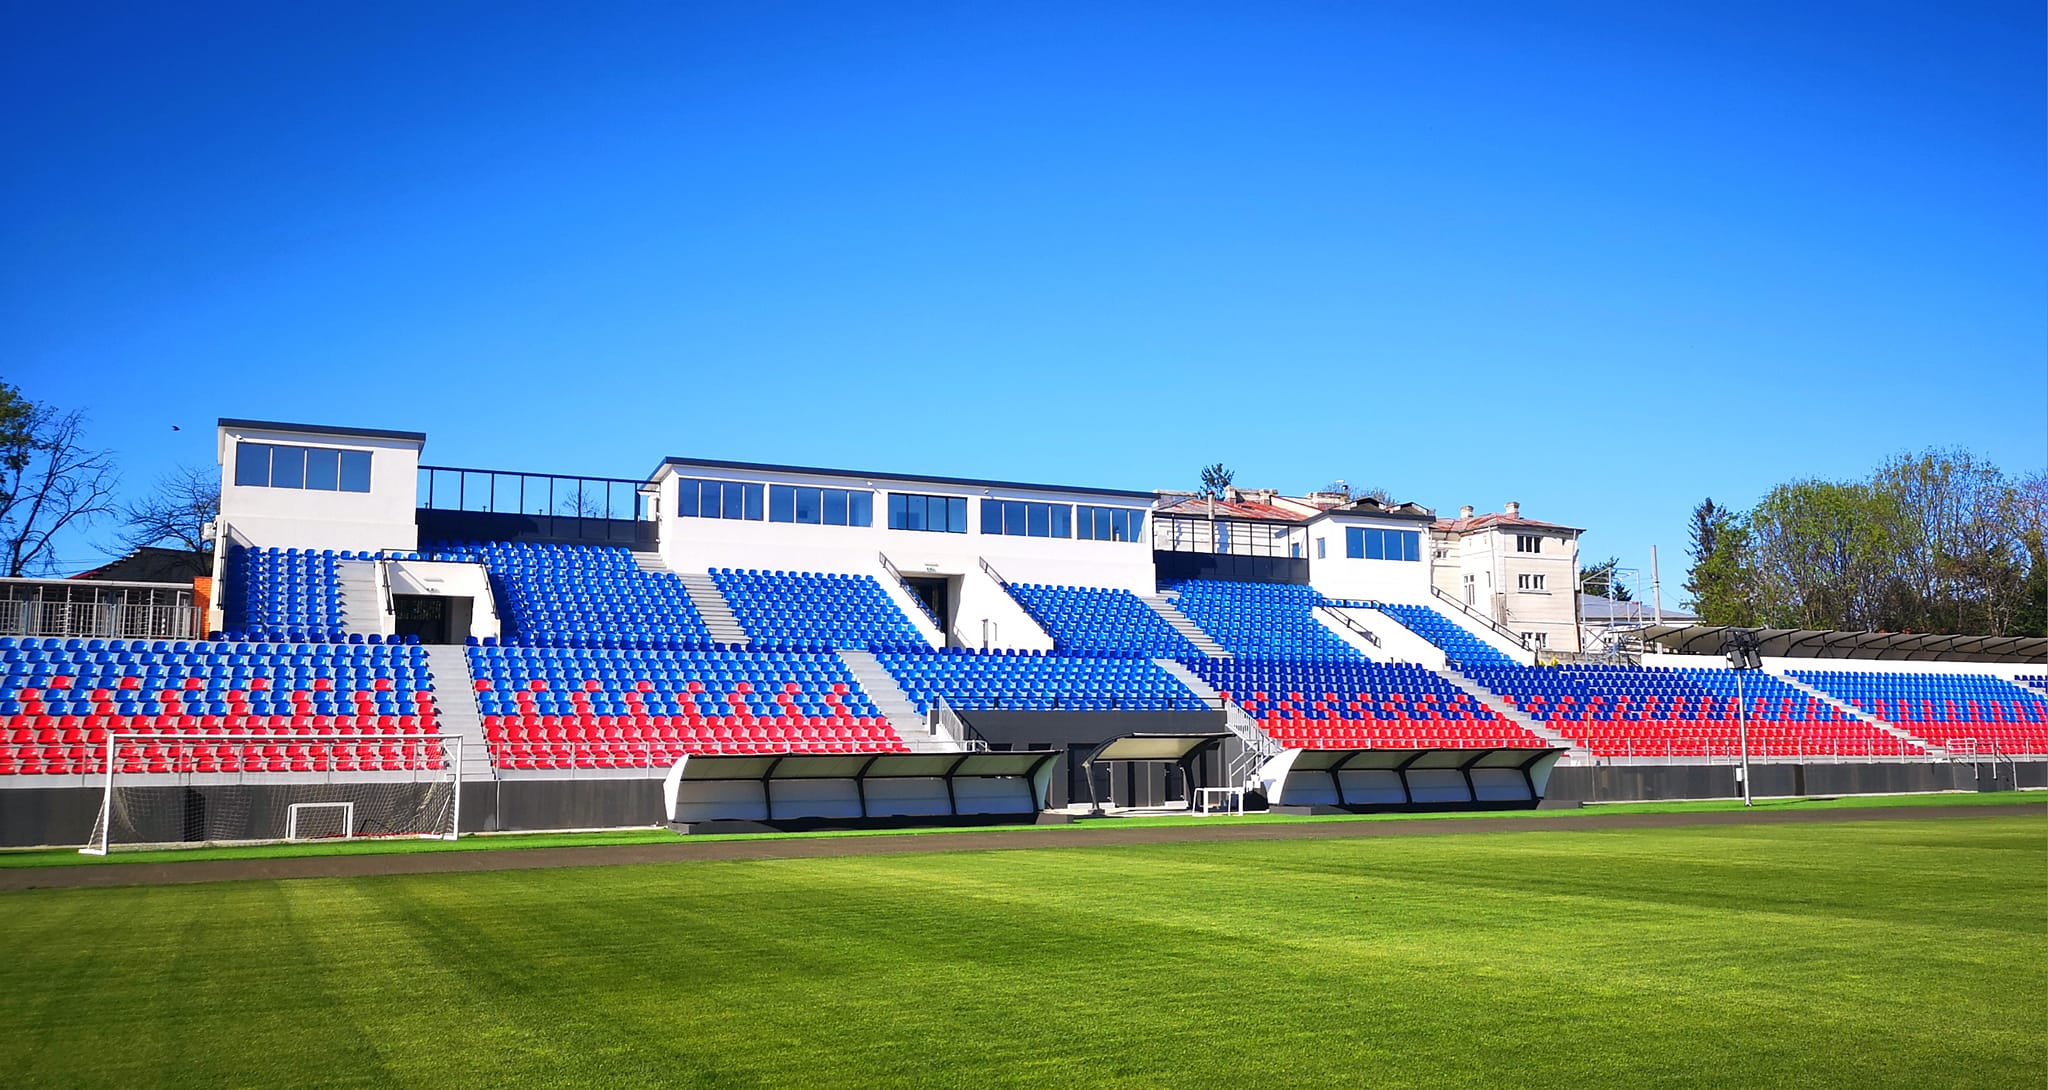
(1866, 954)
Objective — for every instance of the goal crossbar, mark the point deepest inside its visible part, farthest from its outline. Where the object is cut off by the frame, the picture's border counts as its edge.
(111, 770)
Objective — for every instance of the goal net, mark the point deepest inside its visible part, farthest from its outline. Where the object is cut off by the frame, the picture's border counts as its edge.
(219, 789)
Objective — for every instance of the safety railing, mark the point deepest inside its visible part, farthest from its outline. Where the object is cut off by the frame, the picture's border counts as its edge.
(1351, 623)
(943, 720)
(1492, 625)
(105, 620)
(890, 567)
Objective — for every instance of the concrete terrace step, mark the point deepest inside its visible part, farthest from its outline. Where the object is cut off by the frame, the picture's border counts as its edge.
(711, 605)
(1506, 710)
(1163, 604)
(456, 711)
(893, 703)
(1860, 715)
(362, 608)
(1190, 679)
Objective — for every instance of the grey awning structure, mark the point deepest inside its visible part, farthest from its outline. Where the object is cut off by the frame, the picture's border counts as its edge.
(1804, 643)
(817, 790)
(1155, 747)
(1379, 780)
(1180, 750)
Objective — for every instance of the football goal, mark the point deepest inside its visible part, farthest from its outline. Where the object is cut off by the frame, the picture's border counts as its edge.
(190, 790)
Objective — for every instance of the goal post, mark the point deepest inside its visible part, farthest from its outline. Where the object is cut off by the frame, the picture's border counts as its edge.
(172, 790)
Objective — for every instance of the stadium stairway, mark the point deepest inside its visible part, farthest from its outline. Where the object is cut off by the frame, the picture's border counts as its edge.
(1505, 709)
(1190, 679)
(892, 702)
(1859, 714)
(711, 605)
(455, 708)
(362, 608)
(1162, 604)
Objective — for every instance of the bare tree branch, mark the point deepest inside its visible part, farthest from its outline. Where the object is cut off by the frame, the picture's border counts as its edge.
(176, 513)
(50, 482)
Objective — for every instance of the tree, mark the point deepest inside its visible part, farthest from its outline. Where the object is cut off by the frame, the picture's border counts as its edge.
(583, 502)
(1216, 480)
(177, 512)
(1599, 580)
(1717, 584)
(1938, 541)
(50, 482)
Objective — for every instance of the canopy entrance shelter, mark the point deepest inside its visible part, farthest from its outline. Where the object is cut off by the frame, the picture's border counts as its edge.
(796, 791)
(1360, 781)
(1179, 751)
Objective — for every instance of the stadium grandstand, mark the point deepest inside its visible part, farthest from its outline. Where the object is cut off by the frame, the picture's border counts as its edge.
(560, 645)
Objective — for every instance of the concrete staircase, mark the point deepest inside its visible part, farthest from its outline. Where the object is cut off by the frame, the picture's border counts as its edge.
(1506, 710)
(1860, 715)
(891, 701)
(1192, 680)
(455, 708)
(1162, 604)
(362, 607)
(711, 605)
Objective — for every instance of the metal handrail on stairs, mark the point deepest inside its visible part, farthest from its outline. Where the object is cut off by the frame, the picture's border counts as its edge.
(1490, 623)
(1351, 624)
(943, 717)
(890, 567)
(1011, 592)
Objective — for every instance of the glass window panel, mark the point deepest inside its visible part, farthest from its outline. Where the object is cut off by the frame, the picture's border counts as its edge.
(1062, 519)
(1411, 545)
(913, 512)
(288, 467)
(732, 501)
(1354, 543)
(991, 516)
(835, 507)
(252, 465)
(1137, 525)
(1038, 520)
(686, 497)
(809, 506)
(323, 470)
(781, 503)
(956, 515)
(860, 509)
(757, 498)
(899, 512)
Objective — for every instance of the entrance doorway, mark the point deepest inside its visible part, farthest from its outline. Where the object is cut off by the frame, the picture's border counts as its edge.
(936, 592)
(431, 618)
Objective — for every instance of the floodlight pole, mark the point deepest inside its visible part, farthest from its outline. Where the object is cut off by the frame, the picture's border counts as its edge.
(1741, 649)
(1742, 732)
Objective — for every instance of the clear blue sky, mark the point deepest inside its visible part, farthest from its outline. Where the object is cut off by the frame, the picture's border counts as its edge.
(1602, 259)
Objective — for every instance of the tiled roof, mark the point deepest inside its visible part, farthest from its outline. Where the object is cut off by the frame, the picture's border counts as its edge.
(1493, 521)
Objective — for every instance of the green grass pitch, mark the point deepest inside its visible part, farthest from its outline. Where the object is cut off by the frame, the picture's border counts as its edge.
(1862, 954)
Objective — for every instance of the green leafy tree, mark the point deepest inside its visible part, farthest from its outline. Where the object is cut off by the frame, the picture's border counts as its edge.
(1600, 581)
(1216, 480)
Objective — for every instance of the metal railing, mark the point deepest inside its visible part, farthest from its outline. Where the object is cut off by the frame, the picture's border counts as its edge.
(890, 567)
(1491, 624)
(944, 720)
(508, 492)
(104, 620)
(1032, 614)
(1672, 751)
(1255, 747)
(1349, 622)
